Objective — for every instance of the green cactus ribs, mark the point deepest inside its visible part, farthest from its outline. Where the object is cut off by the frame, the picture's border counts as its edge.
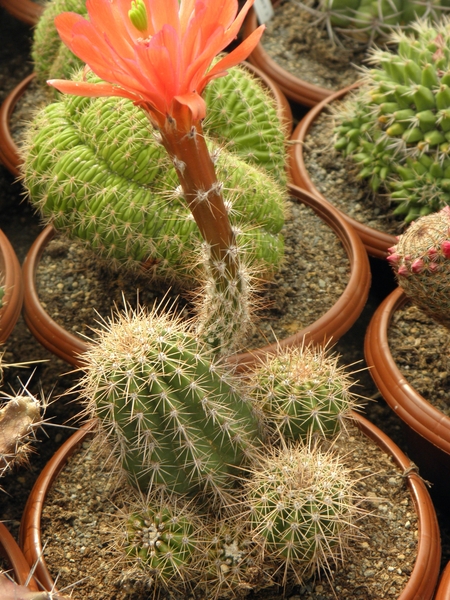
(396, 127)
(421, 262)
(95, 169)
(175, 418)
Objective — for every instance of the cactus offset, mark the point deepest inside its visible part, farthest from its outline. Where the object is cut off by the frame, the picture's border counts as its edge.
(421, 262)
(174, 416)
(303, 391)
(303, 505)
(396, 126)
(371, 20)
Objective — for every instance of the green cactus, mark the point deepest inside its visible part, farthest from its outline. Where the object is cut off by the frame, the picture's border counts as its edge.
(51, 58)
(173, 414)
(302, 391)
(2, 294)
(421, 262)
(303, 506)
(396, 126)
(94, 169)
(370, 20)
(162, 537)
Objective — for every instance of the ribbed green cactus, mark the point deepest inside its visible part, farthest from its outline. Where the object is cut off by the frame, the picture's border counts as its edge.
(421, 262)
(370, 20)
(51, 58)
(397, 125)
(2, 294)
(303, 391)
(303, 506)
(174, 416)
(94, 169)
(163, 538)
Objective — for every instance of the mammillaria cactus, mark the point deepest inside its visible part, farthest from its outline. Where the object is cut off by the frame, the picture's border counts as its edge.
(303, 505)
(172, 413)
(302, 391)
(421, 262)
(370, 20)
(396, 126)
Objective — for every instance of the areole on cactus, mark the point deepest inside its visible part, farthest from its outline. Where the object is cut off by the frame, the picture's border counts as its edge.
(396, 126)
(421, 262)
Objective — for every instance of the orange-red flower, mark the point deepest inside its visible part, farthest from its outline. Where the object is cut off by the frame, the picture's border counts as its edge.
(160, 59)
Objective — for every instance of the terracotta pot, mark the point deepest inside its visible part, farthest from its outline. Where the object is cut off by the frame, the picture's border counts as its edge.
(9, 152)
(297, 90)
(427, 429)
(376, 242)
(332, 325)
(11, 279)
(10, 550)
(421, 583)
(443, 589)
(26, 11)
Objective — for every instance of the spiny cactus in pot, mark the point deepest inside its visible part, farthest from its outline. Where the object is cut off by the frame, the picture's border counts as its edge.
(394, 127)
(421, 263)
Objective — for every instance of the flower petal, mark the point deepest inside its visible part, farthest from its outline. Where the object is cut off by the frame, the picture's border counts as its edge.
(92, 90)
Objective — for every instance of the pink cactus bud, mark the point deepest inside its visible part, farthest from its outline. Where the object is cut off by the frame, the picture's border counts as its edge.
(432, 253)
(393, 258)
(417, 265)
(403, 271)
(446, 210)
(407, 257)
(433, 267)
(392, 249)
(445, 247)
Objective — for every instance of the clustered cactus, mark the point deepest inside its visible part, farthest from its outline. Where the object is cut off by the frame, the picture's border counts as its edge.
(396, 126)
(185, 428)
(421, 262)
(371, 20)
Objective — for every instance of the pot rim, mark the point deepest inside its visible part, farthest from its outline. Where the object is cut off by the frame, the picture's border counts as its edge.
(297, 90)
(404, 400)
(443, 589)
(330, 326)
(25, 10)
(13, 554)
(13, 283)
(425, 573)
(376, 242)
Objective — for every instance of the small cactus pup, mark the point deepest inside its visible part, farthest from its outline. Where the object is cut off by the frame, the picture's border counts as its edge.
(421, 263)
(303, 391)
(129, 49)
(396, 126)
(172, 413)
(304, 508)
(374, 20)
(161, 541)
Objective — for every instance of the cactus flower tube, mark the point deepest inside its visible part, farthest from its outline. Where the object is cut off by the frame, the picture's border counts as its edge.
(160, 54)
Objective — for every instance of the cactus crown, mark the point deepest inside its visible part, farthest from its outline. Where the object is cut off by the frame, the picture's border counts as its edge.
(421, 262)
(369, 21)
(396, 126)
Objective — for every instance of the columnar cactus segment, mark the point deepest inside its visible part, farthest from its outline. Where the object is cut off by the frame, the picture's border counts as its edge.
(421, 262)
(396, 126)
(173, 414)
(94, 168)
(303, 505)
(303, 391)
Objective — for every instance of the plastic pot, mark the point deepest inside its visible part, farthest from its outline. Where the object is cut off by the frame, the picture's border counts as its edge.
(9, 152)
(295, 89)
(11, 280)
(10, 550)
(332, 325)
(427, 429)
(424, 575)
(376, 242)
(26, 11)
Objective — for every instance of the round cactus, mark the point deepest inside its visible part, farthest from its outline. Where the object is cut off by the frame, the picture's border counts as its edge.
(369, 20)
(94, 168)
(421, 262)
(162, 537)
(396, 126)
(51, 58)
(303, 506)
(303, 391)
(173, 415)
